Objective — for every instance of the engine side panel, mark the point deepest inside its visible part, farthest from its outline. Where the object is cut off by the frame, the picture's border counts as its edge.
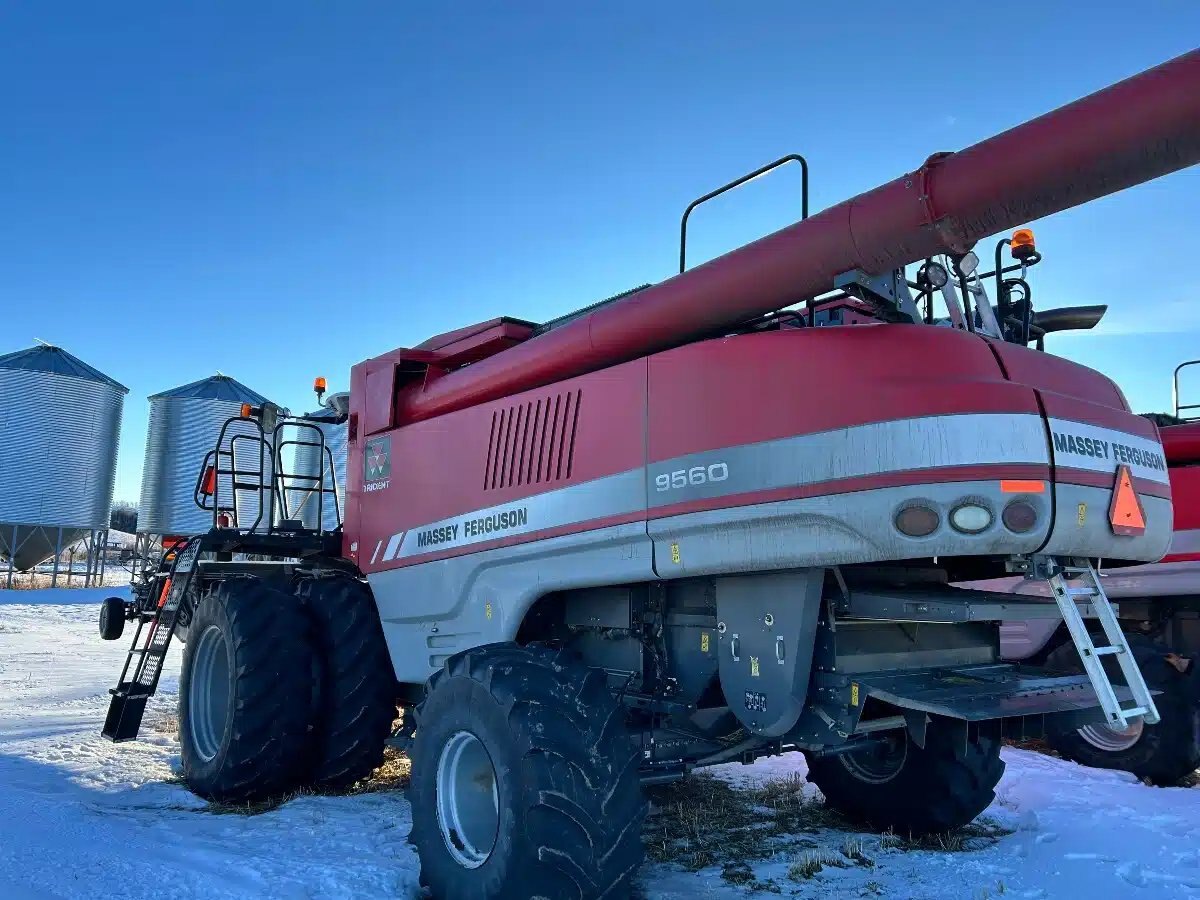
(433, 610)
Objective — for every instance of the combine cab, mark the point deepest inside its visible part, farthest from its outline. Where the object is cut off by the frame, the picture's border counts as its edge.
(711, 519)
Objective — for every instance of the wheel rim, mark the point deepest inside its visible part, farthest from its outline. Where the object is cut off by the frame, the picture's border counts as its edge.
(879, 764)
(208, 693)
(1111, 739)
(468, 802)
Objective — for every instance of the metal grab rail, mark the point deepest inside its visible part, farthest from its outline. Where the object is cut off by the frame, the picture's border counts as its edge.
(271, 491)
(1175, 388)
(791, 157)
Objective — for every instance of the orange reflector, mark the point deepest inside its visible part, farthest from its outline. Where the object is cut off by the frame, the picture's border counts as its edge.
(1023, 487)
(246, 409)
(170, 541)
(162, 598)
(1125, 513)
(208, 486)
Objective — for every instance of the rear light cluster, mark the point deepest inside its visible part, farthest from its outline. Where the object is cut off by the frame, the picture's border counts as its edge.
(970, 518)
(1019, 516)
(917, 520)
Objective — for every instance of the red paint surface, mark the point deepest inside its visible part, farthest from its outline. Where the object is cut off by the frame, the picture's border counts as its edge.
(762, 387)
(1182, 443)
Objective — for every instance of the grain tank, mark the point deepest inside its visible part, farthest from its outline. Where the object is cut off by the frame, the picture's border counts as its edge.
(61, 420)
(184, 424)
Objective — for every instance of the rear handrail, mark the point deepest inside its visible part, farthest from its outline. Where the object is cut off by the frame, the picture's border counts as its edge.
(791, 157)
(1175, 388)
(274, 489)
(286, 482)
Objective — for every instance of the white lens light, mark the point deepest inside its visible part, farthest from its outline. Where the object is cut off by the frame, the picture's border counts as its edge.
(970, 518)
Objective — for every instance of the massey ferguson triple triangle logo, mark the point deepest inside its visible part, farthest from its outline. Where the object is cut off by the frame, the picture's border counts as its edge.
(377, 464)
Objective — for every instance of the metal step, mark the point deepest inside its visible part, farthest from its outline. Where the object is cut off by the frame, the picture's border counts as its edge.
(1089, 654)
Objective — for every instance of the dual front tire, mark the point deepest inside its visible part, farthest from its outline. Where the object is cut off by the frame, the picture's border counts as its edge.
(283, 688)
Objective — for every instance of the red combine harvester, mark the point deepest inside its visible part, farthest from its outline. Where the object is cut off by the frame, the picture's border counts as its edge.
(1159, 612)
(707, 520)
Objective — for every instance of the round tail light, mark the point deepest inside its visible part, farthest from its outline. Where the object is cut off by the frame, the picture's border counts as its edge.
(917, 521)
(1019, 516)
(970, 518)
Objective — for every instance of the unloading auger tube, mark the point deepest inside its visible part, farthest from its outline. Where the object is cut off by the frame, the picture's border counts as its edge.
(669, 531)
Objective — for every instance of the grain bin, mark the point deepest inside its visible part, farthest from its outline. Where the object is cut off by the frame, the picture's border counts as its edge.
(309, 462)
(61, 421)
(184, 425)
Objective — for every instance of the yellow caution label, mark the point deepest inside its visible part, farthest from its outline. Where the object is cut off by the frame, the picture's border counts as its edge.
(675, 554)
(754, 667)
(854, 695)
(704, 642)
(487, 610)
(1082, 514)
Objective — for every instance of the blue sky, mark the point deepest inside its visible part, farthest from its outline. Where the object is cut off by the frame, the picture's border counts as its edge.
(278, 190)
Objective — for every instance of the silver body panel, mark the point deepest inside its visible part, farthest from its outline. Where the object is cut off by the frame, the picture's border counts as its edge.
(432, 609)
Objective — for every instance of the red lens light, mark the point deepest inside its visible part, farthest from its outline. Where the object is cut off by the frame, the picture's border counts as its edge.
(1019, 516)
(917, 521)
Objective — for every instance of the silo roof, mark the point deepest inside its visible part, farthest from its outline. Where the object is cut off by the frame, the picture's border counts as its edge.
(48, 358)
(215, 387)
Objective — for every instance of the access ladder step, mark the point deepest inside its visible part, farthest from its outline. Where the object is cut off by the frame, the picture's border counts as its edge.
(1089, 653)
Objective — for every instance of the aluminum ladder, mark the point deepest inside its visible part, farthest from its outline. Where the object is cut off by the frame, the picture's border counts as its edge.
(1090, 591)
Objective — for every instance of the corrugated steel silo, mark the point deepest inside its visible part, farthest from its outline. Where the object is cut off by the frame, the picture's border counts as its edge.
(309, 461)
(184, 425)
(61, 421)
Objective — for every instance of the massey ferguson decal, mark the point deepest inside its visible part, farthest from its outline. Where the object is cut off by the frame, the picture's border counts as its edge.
(377, 464)
(1074, 444)
(474, 527)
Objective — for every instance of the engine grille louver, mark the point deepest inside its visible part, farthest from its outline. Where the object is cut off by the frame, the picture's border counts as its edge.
(533, 442)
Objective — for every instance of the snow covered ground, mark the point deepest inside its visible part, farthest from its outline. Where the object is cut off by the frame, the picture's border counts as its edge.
(80, 817)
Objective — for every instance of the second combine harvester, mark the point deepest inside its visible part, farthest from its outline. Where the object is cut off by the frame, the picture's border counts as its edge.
(681, 528)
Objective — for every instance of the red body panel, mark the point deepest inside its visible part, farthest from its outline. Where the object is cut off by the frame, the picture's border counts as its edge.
(1182, 443)
(778, 384)
(723, 393)
(441, 467)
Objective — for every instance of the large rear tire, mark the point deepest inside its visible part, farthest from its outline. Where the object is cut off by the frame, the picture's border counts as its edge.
(356, 705)
(909, 789)
(1164, 753)
(244, 694)
(525, 780)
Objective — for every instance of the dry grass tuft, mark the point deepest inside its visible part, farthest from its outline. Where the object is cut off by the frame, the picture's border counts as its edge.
(393, 775)
(703, 821)
(36, 581)
(979, 835)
